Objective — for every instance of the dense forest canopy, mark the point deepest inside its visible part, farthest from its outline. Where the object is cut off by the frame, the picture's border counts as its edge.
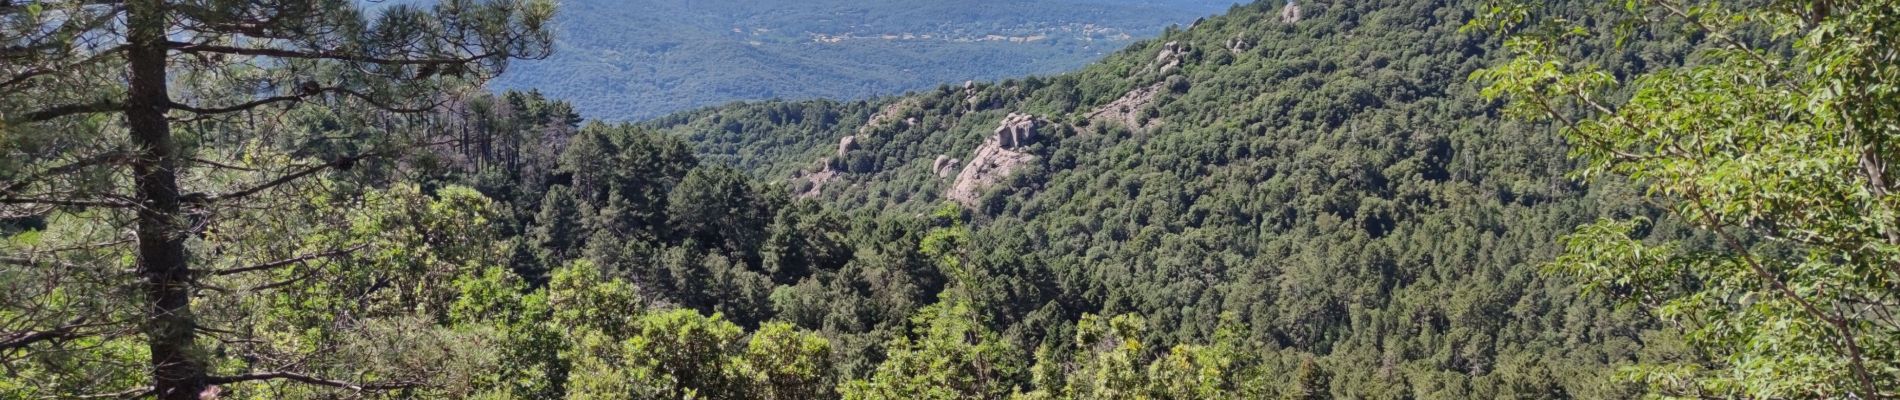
(1370, 199)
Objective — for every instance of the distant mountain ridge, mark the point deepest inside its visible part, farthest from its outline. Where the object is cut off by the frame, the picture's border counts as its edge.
(631, 60)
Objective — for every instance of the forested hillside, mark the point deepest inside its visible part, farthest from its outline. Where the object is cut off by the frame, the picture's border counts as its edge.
(1395, 199)
(632, 60)
(1334, 184)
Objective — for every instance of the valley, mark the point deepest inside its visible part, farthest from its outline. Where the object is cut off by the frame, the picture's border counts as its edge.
(1064, 200)
(636, 60)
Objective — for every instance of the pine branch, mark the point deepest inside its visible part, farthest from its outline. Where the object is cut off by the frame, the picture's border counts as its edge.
(309, 90)
(10, 341)
(8, 8)
(344, 162)
(323, 54)
(70, 109)
(292, 177)
(17, 340)
(63, 202)
(107, 158)
(27, 75)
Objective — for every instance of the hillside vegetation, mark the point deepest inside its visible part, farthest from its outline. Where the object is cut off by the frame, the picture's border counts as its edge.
(1335, 184)
(1392, 199)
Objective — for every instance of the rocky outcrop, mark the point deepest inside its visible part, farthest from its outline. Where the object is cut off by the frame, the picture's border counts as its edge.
(1017, 130)
(889, 113)
(994, 160)
(847, 144)
(1170, 57)
(944, 166)
(1127, 109)
(989, 165)
(826, 171)
(814, 182)
(1239, 44)
(1290, 13)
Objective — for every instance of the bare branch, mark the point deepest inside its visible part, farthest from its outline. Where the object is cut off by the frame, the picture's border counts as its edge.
(220, 164)
(274, 285)
(63, 202)
(71, 26)
(132, 393)
(100, 159)
(30, 262)
(307, 171)
(292, 376)
(239, 107)
(286, 262)
(70, 109)
(322, 54)
(9, 8)
(36, 72)
(280, 181)
(305, 94)
(72, 329)
(17, 340)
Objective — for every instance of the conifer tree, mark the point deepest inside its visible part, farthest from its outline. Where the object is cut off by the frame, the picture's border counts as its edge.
(1309, 382)
(106, 107)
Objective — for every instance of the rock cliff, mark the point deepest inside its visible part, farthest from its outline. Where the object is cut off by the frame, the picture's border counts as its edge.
(995, 159)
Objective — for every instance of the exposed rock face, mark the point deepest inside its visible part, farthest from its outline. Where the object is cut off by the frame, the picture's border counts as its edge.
(1170, 56)
(826, 171)
(887, 114)
(944, 166)
(990, 164)
(1127, 109)
(994, 160)
(1170, 50)
(847, 144)
(1290, 13)
(1016, 131)
(1239, 44)
(824, 175)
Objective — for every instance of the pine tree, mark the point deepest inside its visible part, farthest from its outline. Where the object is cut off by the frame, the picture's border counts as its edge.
(949, 354)
(557, 228)
(1310, 382)
(105, 106)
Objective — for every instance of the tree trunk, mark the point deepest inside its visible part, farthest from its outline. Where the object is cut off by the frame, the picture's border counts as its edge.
(177, 372)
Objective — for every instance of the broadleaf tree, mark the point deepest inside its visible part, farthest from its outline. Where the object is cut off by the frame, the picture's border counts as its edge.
(1774, 140)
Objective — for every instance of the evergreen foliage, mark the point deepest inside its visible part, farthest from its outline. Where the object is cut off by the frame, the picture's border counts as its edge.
(1326, 206)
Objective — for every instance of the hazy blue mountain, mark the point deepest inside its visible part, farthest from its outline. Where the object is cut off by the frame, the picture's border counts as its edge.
(635, 59)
